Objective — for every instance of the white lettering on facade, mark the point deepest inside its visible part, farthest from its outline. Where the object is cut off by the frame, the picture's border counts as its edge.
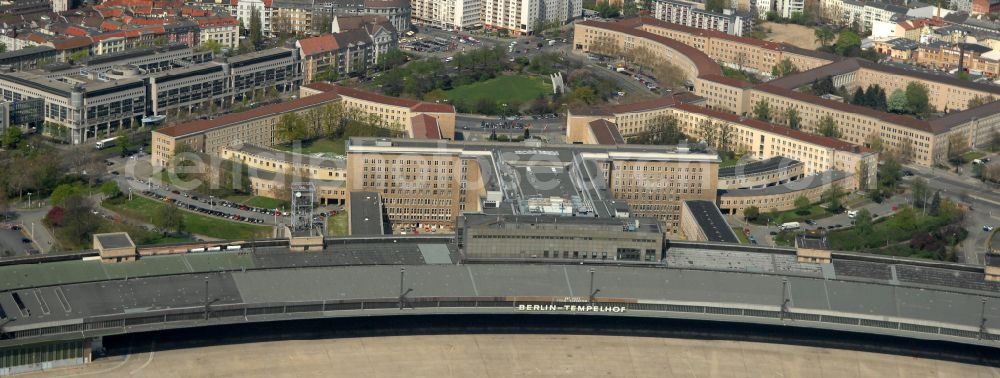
(572, 308)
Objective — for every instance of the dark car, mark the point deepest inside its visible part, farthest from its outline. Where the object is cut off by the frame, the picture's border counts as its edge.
(25, 240)
(810, 222)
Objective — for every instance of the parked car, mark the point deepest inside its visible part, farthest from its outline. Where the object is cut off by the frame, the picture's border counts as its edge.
(987, 228)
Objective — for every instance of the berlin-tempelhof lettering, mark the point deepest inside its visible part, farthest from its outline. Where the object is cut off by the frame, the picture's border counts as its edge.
(572, 308)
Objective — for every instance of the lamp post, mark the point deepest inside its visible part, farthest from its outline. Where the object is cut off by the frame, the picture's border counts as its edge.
(784, 297)
(29, 200)
(592, 292)
(982, 319)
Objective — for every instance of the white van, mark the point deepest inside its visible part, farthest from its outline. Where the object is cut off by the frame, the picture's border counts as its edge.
(852, 214)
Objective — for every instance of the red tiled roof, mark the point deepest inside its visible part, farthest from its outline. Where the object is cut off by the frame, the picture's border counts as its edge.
(218, 21)
(333, 92)
(318, 45)
(646, 20)
(75, 31)
(705, 64)
(109, 26)
(606, 132)
(414, 105)
(425, 127)
(725, 80)
(843, 107)
(775, 129)
(429, 107)
(203, 125)
(654, 103)
(321, 86)
(72, 43)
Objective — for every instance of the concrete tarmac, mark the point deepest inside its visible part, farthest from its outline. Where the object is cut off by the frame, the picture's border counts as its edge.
(515, 355)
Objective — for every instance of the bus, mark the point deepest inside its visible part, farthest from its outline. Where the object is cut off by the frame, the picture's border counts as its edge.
(105, 143)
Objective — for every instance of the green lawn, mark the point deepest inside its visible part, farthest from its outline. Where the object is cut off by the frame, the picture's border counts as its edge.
(144, 209)
(267, 203)
(742, 236)
(504, 88)
(337, 224)
(324, 145)
(815, 212)
(972, 155)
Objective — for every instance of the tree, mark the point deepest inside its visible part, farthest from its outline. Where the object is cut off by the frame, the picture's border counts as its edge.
(79, 223)
(863, 222)
(391, 59)
(751, 212)
(920, 192)
(957, 147)
(256, 34)
(783, 68)
(708, 132)
(292, 127)
(823, 86)
(980, 101)
(935, 207)
(3, 47)
(211, 45)
(169, 217)
(832, 197)
(889, 173)
(762, 111)
(716, 6)
(793, 119)
(11, 137)
(995, 139)
(824, 35)
(64, 191)
(858, 98)
(629, 8)
(661, 130)
(606, 10)
(917, 99)
(122, 142)
(802, 205)
(847, 41)
(79, 55)
(897, 102)
(110, 189)
(828, 127)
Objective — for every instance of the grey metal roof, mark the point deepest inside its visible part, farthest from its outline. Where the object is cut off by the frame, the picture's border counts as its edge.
(757, 167)
(366, 214)
(804, 183)
(709, 219)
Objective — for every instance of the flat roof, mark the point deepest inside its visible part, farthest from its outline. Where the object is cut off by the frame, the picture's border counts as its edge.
(758, 166)
(115, 240)
(480, 219)
(285, 156)
(366, 214)
(808, 182)
(710, 220)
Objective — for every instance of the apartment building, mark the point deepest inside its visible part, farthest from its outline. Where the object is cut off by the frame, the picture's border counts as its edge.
(862, 13)
(432, 183)
(448, 14)
(782, 197)
(688, 14)
(399, 12)
(355, 46)
(246, 8)
(256, 127)
(222, 29)
(973, 58)
(521, 17)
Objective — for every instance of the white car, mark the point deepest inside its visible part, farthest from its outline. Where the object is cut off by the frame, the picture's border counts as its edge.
(987, 228)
